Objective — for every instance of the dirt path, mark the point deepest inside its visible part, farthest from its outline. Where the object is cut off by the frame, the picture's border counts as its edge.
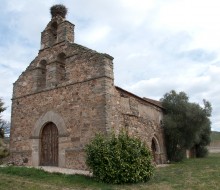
(64, 170)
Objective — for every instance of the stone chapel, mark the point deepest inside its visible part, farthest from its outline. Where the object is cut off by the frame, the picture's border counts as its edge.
(66, 95)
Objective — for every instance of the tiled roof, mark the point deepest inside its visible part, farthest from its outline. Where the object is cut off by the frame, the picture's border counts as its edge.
(148, 100)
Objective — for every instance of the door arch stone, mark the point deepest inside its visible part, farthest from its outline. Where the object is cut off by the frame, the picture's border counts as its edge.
(49, 117)
(155, 148)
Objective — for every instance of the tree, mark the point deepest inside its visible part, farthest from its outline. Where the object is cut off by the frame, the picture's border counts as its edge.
(5, 129)
(186, 124)
(204, 136)
(2, 108)
(3, 149)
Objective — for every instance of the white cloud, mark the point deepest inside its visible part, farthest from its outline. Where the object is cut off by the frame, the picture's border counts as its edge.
(96, 35)
(197, 17)
(157, 45)
(197, 88)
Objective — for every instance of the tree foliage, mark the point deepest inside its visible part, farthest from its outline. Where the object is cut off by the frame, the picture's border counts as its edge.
(5, 129)
(186, 125)
(2, 108)
(3, 148)
(119, 160)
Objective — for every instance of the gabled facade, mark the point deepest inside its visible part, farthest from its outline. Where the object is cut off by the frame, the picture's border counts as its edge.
(67, 95)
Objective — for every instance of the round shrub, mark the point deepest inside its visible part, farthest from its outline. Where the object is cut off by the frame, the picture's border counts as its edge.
(119, 160)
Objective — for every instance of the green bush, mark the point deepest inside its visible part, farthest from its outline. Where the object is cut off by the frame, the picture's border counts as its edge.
(119, 160)
(3, 150)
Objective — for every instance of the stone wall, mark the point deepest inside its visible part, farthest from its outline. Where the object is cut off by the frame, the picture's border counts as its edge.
(80, 64)
(139, 118)
(79, 99)
(214, 147)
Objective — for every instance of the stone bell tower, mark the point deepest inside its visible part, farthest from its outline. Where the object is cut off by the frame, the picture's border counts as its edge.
(58, 29)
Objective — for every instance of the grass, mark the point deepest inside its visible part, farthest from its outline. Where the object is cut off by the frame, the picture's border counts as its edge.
(191, 174)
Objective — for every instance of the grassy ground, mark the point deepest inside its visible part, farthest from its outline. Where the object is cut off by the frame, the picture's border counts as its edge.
(191, 174)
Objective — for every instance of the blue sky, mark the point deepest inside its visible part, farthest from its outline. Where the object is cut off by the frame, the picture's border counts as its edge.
(157, 45)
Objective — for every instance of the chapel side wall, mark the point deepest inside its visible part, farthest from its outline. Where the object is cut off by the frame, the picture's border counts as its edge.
(139, 118)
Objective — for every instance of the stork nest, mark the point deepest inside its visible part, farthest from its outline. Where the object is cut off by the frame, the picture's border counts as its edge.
(58, 10)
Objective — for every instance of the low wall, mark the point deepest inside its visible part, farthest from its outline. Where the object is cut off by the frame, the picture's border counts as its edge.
(214, 147)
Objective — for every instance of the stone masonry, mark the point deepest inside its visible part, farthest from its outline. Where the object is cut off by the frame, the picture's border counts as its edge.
(72, 88)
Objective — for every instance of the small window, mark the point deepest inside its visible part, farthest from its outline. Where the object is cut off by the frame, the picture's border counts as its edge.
(54, 30)
(41, 75)
(61, 66)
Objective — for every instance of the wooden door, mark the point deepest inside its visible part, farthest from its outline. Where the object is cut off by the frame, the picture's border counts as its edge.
(49, 145)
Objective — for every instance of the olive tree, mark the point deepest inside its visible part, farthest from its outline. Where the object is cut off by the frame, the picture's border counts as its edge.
(186, 125)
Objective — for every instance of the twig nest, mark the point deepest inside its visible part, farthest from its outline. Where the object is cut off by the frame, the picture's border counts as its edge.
(58, 10)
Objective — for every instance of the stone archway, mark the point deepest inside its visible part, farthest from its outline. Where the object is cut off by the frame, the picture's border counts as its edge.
(155, 148)
(57, 120)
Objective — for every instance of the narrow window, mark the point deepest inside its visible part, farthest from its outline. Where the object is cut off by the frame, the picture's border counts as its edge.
(61, 66)
(41, 74)
(54, 30)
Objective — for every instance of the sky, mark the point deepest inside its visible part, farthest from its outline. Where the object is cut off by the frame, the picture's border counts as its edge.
(157, 45)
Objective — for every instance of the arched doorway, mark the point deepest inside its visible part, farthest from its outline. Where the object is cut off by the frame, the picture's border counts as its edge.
(155, 151)
(49, 145)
